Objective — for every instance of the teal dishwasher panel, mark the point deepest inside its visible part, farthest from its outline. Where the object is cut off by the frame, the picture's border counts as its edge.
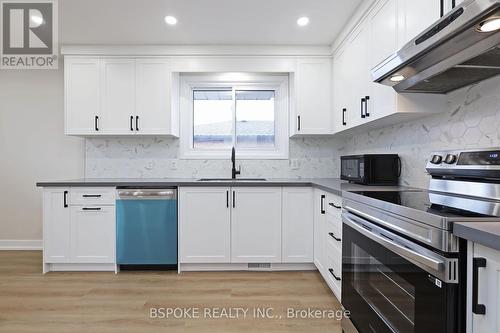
(146, 232)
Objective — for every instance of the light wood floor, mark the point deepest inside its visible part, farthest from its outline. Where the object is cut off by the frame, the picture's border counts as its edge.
(105, 302)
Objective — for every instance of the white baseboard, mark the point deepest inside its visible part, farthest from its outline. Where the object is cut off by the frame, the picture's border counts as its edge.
(18, 245)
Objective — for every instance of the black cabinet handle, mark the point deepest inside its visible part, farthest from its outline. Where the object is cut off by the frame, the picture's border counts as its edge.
(96, 123)
(136, 123)
(333, 274)
(131, 123)
(344, 110)
(91, 195)
(366, 106)
(362, 107)
(91, 208)
(323, 204)
(234, 199)
(441, 9)
(333, 236)
(298, 123)
(477, 263)
(334, 205)
(65, 199)
(227, 198)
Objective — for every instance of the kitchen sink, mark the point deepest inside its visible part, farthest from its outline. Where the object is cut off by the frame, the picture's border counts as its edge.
(230, 180)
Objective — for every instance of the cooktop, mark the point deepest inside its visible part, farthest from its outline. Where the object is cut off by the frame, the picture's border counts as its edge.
(436, 203)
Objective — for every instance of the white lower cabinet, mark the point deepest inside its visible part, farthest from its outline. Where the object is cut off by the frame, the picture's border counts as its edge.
(297, 225)
(319, 229)
(256, 225)
(204, 225)
(77, 236)
(488, 289)
(93, 234)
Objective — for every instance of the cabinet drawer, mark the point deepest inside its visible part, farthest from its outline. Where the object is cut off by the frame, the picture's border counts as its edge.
(334, 205)
(92, 196)
(333, 274)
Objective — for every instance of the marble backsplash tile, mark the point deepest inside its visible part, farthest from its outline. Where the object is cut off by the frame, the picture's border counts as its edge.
(472, 120)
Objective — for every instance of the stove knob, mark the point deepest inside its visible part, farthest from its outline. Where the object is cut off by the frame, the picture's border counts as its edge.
(436, 159)
(450, 159)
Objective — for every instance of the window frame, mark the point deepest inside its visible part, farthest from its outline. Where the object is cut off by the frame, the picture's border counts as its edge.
(234, 81)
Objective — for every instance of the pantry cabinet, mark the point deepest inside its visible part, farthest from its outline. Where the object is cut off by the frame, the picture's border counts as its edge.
(120, 96)
(204, 225)
(383, 29)
(312, 110)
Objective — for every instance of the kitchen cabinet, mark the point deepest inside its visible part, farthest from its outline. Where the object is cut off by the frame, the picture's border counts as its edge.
(92, 234)
(204, 225)
(319, 216)
(312, 107)
(78, 235)
(56, 225)
(120, 96)
(256, 225)
(416, 16)
(488, 289)
(82, 91)
(297, 225)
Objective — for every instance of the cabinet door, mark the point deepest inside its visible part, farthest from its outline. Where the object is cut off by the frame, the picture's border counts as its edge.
(297, 225)
(82, 93)
(118, 100)
(488, 291)
(319, 230)
(415, 17)
(313, 96)
(56, 225)
(93, 234)
(341, 91)
(204, 225)
(256, 225)
(153, 97)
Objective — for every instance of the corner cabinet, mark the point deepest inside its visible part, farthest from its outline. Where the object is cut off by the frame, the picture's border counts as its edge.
(312, 103)
(119, 96)
(386, 26)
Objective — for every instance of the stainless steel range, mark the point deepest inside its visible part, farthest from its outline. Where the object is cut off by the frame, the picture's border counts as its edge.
(403, 269)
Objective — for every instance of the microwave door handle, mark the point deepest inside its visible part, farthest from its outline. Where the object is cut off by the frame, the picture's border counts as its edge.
(433, 265)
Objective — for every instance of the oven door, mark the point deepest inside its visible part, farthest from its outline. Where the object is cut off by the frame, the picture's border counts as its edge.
(391, 284)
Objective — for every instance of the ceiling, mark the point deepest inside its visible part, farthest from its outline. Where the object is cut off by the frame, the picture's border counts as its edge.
(228, 22)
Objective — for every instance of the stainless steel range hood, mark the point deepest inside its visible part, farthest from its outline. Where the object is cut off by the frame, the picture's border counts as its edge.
(451, 54)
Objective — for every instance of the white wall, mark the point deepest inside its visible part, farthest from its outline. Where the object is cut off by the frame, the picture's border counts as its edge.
(32, 148)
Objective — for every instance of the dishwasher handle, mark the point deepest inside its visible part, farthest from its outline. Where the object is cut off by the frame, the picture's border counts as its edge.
(158, 194)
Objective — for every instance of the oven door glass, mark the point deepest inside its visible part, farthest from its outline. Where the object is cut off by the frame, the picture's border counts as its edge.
(386, 293)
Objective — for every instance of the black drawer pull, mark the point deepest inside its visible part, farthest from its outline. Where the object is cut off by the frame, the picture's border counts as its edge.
(479, 309)
(333, 236)
(334, 205)
(323, 211)
(333, 274)
(91, 195)
(91, 208)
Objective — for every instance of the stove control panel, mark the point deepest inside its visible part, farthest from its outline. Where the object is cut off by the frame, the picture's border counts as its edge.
(466, 163)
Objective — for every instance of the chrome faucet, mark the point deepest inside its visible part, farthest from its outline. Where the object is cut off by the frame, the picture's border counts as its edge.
(234, 172)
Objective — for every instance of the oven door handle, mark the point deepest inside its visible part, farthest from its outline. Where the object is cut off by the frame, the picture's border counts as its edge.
(433, 265)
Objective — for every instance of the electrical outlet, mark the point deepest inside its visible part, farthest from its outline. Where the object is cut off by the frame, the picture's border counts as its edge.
(294, 164)
(173, 164)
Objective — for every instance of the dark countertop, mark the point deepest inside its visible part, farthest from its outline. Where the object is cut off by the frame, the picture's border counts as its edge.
(333, 185)
(485, 233)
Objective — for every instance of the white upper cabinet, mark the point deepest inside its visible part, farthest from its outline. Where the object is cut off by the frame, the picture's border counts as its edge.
(297, 225)
(154, 82)
(82, 95)
(120, 96)
(256, 225)
(415, 17)
(312, 111)
(118, 99)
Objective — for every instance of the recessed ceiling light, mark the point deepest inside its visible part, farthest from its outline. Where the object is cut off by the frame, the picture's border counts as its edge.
(397, 78)
(170, 20)
(303, 21)
(489, 25)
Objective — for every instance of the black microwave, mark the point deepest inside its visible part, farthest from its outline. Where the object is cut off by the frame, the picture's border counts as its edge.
(371, 169)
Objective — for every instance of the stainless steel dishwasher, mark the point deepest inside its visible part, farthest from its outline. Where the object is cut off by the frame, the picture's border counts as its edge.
(146, 227)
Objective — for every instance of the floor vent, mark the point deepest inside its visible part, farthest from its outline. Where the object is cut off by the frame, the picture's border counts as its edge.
(259, 266)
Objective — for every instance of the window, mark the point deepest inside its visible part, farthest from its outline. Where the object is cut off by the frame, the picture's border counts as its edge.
(250, 113)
